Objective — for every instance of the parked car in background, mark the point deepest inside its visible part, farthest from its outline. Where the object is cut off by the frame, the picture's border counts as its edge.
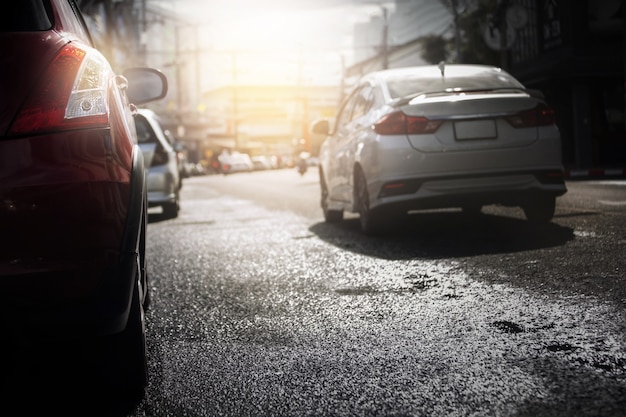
(261, 163)
(435, 137)
(231, 162)
(162, 163)
(196, 169)
(73, 207)
(181, 155)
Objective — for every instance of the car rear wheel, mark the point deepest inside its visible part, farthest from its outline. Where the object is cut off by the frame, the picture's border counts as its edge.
(126, 359)
(330, 216)
(170, 210)
(142, 258)
(373, 222)
(540, 210)
(126, 366)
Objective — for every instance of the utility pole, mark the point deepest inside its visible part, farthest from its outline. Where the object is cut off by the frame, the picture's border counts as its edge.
(198, 68)
(385, 47)
(503, 27)
(235, 101)
(457, 31)
(302, 102)
(143, 35)
(179, 85)
(342, 88)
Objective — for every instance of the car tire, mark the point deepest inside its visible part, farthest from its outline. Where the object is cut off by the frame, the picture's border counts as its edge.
(147, 299)
(142, 258)
(170, 210)
(373, 222)
(126, 352)
(126, 365)
(330, 216)
(540, 210)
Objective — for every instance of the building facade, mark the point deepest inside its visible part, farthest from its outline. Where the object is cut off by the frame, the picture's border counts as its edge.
(574, 52)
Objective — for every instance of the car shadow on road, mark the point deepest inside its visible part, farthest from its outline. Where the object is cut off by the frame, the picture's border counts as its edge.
(157, 218)
(445, 234)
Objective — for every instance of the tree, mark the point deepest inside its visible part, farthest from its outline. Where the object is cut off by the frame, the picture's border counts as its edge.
(435, 48)
(474, 50)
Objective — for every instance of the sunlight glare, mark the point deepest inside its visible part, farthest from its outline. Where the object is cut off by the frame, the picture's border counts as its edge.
(276, 41)
(268, 31)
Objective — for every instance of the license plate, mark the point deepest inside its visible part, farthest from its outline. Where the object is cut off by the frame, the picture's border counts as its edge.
(475, 129)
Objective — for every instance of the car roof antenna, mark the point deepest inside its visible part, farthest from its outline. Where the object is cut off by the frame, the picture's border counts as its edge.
(442, 68)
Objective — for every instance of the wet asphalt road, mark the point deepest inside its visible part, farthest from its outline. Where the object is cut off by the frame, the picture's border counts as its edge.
(259, 308)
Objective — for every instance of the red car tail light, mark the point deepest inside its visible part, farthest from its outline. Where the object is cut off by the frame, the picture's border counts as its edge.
(541, 115)
(71, 94)
(398, 123)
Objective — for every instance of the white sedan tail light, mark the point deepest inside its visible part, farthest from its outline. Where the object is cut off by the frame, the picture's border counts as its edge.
(398, 123)
(541, 115)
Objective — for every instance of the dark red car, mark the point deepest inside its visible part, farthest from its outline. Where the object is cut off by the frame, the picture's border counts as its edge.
(72, 188)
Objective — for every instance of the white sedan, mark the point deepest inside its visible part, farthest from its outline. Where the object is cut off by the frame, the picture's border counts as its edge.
(161, 161)
(437, 137)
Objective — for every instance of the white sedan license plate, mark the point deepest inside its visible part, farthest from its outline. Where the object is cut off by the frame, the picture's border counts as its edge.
(475, 129)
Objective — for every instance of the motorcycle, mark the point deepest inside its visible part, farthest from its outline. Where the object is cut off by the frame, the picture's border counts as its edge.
(302, 166)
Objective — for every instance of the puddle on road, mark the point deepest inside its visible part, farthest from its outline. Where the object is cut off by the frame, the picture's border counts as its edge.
(356, 291)
(508, 326)
(431, 278)
(561, 347)
(414, 283)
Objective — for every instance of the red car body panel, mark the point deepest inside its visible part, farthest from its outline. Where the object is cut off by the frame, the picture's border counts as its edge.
(24, 56)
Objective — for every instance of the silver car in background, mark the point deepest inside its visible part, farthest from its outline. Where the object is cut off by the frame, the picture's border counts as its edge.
(232, 162)
(441, 136)
(161, 162)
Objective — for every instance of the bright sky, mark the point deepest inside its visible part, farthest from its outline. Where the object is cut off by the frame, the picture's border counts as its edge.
(273, 41)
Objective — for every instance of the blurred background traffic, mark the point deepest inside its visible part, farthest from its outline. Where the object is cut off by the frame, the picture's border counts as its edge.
(249, 77)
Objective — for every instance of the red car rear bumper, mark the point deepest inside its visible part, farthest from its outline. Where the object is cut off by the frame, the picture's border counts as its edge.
(64, 209)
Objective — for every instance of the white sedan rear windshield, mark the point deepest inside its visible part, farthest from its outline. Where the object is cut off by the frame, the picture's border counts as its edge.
(413, 85)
